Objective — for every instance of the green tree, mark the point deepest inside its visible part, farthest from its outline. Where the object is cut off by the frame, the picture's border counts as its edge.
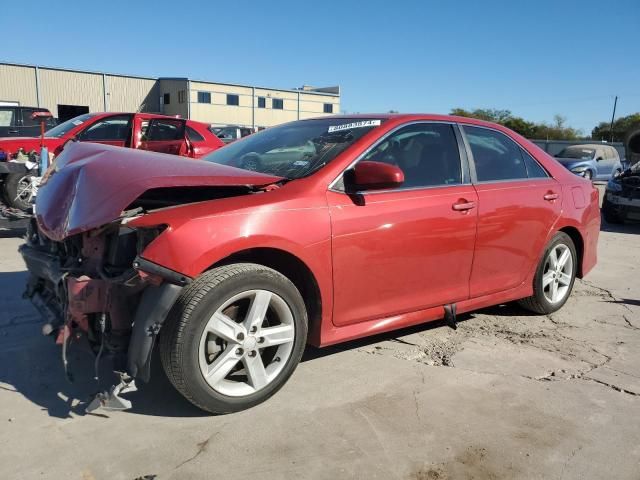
(543, 131)
(620, 128)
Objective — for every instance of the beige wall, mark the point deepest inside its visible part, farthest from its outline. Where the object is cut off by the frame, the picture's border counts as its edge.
(18, 84)
(130, 94)
(177, 105)
(219, 113)
(70, 88)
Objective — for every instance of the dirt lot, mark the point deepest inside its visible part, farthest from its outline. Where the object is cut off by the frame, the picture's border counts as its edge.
(507, 395)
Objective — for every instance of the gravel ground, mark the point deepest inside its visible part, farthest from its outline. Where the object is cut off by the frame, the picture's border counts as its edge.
(506, 395)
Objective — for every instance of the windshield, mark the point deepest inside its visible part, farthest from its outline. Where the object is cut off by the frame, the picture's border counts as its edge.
(296, 149)
(64, 128)
(579, 153)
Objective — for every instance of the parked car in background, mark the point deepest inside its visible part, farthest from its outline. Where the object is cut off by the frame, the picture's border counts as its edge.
(621, 200)
(143, 131)
(232, 133)
(591, 161)
(17, 121)
(365, 224)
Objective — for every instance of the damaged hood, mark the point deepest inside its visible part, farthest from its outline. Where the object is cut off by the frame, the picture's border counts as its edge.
(91, 184)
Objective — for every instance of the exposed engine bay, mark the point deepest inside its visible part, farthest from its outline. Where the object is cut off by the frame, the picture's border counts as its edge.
(88, 284)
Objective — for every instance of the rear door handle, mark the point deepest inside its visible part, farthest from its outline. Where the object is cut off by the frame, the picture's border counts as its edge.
(462, 205)
(549, 197)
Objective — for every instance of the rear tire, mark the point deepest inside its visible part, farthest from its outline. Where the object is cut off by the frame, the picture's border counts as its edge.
(553, 281)
(220, 359)
(609, 213)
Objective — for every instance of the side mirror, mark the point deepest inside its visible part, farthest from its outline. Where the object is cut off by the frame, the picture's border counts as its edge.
(599, 158)
(369, 175)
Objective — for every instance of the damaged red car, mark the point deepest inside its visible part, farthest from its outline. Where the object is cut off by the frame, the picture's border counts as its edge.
(316, 231)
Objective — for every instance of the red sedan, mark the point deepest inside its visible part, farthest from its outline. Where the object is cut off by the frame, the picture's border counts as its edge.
(144, 131)
(317, 231)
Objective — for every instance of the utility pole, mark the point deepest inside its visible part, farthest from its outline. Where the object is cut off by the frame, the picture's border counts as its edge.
(615, 103)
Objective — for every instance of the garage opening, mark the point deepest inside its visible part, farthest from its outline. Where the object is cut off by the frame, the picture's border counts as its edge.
(65, 112)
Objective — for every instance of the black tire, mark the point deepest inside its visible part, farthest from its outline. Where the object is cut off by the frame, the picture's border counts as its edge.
(10, 189)
(537, 302)
(181, 333)
(609, 213)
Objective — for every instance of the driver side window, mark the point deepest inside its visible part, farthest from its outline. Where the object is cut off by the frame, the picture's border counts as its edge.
(116, 128)
(427, 153)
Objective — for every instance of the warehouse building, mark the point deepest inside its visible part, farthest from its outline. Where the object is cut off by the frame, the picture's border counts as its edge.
(68, 93)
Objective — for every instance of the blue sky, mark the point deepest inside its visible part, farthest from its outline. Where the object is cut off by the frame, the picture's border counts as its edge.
(534, 58)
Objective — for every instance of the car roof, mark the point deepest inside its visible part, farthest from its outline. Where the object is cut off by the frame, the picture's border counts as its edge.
(406, 117)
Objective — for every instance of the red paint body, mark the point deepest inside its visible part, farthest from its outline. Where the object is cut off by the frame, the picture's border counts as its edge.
(391, 259)
(193, 149)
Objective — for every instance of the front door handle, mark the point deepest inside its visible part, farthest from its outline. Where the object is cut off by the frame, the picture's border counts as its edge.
(462, 205)
(550, 196)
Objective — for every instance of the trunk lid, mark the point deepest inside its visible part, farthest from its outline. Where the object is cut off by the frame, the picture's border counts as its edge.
(92, 184)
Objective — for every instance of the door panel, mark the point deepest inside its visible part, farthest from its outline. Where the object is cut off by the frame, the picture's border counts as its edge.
(113, 130)
(400, 251)
(28, 126)
(513, 222)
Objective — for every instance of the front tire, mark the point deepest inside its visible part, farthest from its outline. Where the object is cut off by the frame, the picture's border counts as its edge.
(555, 276)
(234, 337)
(17, 191)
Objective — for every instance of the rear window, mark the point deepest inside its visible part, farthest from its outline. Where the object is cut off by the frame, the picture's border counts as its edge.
(194, 136)
(496, 157)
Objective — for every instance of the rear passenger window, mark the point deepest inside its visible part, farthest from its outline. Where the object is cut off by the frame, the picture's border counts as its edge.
(427, 153)
(534, 170)
(194, 136)
(496, 157)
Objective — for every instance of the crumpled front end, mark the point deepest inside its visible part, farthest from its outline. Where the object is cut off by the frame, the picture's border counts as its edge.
(93, 285)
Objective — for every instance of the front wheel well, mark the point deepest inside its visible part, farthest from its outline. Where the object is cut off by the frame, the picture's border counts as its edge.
(576, 237)
(291, 267)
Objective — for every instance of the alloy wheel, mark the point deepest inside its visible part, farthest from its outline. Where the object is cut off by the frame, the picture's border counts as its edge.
(25, 189)
(557, 274)
(246, 343)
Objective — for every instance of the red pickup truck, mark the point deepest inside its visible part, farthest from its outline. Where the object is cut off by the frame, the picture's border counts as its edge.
(144, 131)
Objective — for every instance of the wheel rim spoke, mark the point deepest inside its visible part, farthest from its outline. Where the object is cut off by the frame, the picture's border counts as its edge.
(224, 327)
(554, 291)
(257, 310)
(564, 257)
(255, 370)
(222, 365)
(547, 278)
(564, 279)
(277, 335)
(553, 259)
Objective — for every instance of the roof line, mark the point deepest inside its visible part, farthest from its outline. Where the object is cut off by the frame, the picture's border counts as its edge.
(94, 72)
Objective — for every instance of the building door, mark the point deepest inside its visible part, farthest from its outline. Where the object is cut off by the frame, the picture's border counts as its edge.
(67, 112)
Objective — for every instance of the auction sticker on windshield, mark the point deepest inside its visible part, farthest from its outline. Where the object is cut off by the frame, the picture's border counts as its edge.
(349, 126)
